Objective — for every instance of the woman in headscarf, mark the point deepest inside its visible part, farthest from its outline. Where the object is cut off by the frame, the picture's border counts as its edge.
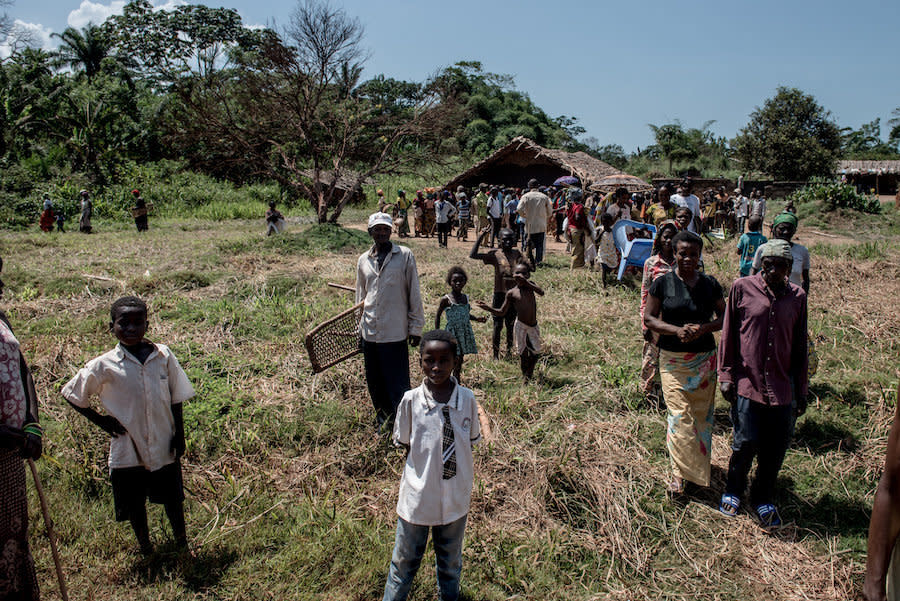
(784, 227)
(684, 307)
(661, 262)
(47, 217)
(20, 437)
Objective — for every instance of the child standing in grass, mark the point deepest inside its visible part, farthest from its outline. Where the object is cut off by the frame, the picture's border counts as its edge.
(526, 330)
(438, 425)
(459, 317)
(141, 387)
(749, 242)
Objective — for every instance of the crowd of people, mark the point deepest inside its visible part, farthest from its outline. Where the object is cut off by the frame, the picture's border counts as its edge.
(761, 363)
(51, 214)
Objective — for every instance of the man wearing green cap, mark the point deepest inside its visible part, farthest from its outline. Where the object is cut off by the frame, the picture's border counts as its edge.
(763, 367)
(784, 226)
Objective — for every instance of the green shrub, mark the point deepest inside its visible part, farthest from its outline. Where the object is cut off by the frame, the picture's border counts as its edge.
(837, 195)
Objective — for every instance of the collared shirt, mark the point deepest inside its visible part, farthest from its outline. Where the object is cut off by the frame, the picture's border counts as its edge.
(495, 207)
(393, 303)
(764, 342)
(656, 213)
(442, 211)
(140, 396)
(535, 209)
(741, 205)
(758, 207)
(426, 499)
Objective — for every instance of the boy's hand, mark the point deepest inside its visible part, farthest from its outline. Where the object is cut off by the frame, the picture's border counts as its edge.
(111, 425)
(728, 391)
(414, 340)
(483, 305)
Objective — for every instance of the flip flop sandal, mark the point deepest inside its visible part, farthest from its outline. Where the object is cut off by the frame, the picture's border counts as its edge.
(729, 505)
(768, 515)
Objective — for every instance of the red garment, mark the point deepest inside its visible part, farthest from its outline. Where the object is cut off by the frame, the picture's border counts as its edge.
(47, 220)
(577, 217)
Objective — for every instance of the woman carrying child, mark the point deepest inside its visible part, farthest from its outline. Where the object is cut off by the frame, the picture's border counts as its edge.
(661, 262)
(459, 317)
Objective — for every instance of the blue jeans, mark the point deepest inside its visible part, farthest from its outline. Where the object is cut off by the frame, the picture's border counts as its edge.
(409, 546)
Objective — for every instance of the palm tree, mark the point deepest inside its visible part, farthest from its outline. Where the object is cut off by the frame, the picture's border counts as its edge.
(83, 50)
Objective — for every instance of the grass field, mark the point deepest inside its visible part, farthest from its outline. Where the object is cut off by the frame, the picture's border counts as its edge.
(291, 496)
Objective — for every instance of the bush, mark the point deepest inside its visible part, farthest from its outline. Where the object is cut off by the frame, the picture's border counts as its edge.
(835, 196)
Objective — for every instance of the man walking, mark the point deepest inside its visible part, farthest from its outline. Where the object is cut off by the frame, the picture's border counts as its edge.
(388, 281)
(535, 209)
(763, 373)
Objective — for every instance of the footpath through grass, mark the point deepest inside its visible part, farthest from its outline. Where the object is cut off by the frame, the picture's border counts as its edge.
(291, 496)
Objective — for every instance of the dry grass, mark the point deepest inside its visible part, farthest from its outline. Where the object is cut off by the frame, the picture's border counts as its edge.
(290, 493)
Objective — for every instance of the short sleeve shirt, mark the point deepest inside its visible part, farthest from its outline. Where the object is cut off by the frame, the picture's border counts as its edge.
(426, 498)
(682, 305)
(140, 396)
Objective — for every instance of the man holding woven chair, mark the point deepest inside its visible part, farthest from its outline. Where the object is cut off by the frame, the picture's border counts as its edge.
(387, 281)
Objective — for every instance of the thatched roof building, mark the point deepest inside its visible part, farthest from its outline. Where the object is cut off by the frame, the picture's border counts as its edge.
(872, 167)
(522, 159)
(880, 177)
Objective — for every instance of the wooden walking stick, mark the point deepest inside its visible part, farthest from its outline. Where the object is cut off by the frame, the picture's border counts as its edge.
(63, 592)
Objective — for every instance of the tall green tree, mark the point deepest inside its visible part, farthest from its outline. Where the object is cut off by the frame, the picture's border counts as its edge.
(85, 50)
(791, 137)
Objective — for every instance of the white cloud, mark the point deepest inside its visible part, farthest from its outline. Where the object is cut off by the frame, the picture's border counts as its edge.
(94, 12)
(34, 35)
(98, 12)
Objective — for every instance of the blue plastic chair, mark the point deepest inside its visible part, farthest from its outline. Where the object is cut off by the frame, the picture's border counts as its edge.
(634, 252)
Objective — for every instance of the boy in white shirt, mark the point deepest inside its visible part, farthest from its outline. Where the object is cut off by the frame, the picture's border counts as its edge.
(437, 423)
(141, 387)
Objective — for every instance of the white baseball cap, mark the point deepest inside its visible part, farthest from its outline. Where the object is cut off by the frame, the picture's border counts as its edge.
(380, 219)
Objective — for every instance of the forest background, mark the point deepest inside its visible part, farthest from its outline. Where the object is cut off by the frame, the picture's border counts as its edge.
(212, 118)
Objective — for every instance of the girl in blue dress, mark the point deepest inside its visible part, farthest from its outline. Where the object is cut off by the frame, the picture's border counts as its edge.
(459, 317)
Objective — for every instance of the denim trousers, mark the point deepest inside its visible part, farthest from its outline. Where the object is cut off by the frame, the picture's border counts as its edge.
(764, 432)
(409, 547)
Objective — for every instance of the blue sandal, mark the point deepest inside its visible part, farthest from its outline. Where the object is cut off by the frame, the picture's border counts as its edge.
(729, 505)
(768, 515)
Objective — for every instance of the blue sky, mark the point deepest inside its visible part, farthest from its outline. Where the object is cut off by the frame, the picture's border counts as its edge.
(616, 66)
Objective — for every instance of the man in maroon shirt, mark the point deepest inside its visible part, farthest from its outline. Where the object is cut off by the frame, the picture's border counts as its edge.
(763, 373)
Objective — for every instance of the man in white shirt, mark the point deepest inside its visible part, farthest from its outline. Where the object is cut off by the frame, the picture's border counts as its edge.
(620, 209)
(495, 214)
(387, 280)
(741, 210)
(536, 209)
(686, 199)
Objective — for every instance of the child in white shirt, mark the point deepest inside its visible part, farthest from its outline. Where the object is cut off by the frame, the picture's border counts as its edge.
(438, 425)
(140, 386)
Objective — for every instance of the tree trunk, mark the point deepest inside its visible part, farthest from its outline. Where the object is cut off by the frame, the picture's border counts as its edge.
(335, 215)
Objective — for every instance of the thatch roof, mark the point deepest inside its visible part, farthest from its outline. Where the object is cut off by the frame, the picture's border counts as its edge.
(523, 159)
(346, 179)
(868, 167)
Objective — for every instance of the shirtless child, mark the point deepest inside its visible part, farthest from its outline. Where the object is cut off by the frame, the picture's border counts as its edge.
(503, 260)
(521, 299)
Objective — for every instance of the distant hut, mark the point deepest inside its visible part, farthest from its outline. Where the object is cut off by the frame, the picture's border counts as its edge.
(345, 180)
(522, 159)
(881, 176)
